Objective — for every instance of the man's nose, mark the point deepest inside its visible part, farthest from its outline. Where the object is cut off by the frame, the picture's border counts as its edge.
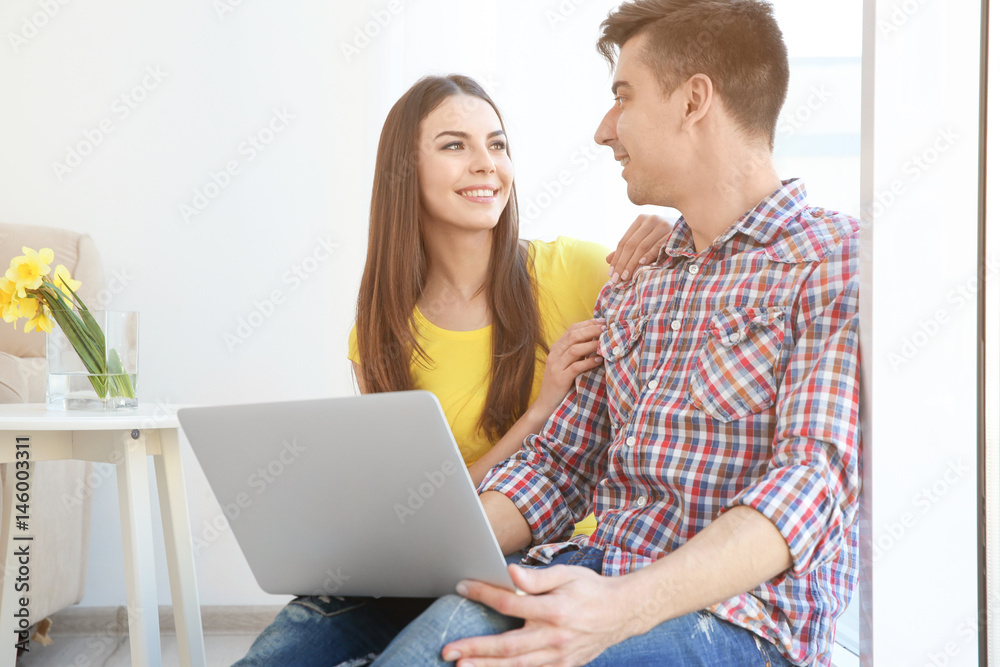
(605, 133)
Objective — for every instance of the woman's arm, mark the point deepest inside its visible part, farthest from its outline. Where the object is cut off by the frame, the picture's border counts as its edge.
(530, 422)
(574, 353)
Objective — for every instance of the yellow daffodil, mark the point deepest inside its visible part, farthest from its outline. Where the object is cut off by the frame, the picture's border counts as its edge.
(27, 291)
(27, 270)
(40, 321)
(8, 307)
(18, 308)
(26, 307)
(14, 307)
(61, 279)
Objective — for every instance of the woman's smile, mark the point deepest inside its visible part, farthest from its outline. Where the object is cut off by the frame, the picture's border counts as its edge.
(480, 194)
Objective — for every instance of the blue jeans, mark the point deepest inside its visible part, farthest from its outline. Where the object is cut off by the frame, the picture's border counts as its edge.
(328, 631)
(350, 632)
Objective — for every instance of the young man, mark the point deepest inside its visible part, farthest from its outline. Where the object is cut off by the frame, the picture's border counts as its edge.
(718, 444)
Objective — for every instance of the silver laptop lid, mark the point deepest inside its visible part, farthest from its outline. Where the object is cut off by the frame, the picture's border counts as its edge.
(364, 495)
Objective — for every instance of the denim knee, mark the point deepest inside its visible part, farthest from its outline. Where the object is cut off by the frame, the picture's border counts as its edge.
(319, 631)
(448, 619)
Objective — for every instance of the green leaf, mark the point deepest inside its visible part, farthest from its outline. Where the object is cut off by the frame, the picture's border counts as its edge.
(87, 318)
(121, 380)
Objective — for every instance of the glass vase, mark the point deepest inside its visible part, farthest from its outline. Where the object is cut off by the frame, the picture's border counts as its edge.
(71, 385)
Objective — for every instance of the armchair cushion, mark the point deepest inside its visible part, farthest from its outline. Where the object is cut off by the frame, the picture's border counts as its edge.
(13, 383)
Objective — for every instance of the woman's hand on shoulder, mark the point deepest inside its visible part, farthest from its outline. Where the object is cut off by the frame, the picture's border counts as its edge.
(640, 245)
(575, 352)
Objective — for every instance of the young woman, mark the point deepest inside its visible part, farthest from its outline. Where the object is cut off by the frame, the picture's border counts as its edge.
(451, 301)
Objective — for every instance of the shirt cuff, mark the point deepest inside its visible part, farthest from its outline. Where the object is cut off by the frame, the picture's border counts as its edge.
(804, 509)
(534, 495)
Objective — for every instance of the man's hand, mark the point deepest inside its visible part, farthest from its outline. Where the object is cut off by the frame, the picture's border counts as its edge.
(640, 245)
(572, 614)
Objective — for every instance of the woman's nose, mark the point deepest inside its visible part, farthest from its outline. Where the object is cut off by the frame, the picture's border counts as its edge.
(482, 161)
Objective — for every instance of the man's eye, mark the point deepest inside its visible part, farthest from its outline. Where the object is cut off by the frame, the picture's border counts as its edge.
(619, 100)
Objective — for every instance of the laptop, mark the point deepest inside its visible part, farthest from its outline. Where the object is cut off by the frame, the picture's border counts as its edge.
(363, 495)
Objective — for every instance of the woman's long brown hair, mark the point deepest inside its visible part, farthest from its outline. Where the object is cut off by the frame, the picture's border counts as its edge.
(396, 270)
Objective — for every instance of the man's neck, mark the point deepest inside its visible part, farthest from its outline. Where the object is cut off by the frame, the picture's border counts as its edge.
(731, 188)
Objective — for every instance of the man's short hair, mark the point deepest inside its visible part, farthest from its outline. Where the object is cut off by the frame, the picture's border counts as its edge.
(736, 43)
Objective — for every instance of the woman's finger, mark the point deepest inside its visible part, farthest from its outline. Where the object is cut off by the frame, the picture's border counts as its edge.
(582, 349)
(584, 365)
(641, 242)
(574, 352)
(614, 259)
(583, 333)
(649, 246)
(629, 261)
(587, 323)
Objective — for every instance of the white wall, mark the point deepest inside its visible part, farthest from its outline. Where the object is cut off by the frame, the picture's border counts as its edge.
(224, 72)
(919, 280)
(221, 76)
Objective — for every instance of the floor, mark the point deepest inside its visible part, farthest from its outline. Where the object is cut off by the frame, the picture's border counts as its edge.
(221, 651)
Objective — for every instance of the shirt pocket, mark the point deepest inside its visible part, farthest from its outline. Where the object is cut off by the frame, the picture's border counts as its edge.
(734, 375)
(621, 346)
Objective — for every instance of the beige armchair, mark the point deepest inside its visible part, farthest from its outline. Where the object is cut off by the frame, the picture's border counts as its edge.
(61, 495)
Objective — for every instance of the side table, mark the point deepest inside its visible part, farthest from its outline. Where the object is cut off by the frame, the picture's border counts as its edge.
(125, 438)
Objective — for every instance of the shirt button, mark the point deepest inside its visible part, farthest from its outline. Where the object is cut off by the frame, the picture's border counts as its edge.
(629, 441)
(676, 325)
(653, 384)
(735, 338)
(617, 350)
(641, 501)
(692, 269)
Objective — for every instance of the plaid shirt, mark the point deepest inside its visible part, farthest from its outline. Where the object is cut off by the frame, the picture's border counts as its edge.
(730, 378)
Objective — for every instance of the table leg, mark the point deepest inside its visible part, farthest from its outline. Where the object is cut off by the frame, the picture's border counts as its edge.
(137, 539)
(180, 553)
(9, 567)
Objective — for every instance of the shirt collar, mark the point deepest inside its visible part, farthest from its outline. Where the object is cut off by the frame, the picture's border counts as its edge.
(763, 223)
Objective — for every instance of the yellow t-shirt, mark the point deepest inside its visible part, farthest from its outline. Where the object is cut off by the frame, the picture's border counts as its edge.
(569, 275)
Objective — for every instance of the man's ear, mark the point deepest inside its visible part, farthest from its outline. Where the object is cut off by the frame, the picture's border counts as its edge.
(699, 96)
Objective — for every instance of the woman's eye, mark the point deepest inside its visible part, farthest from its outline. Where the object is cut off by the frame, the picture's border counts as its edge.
(619, 100)
(452, 146)
(500, 145)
